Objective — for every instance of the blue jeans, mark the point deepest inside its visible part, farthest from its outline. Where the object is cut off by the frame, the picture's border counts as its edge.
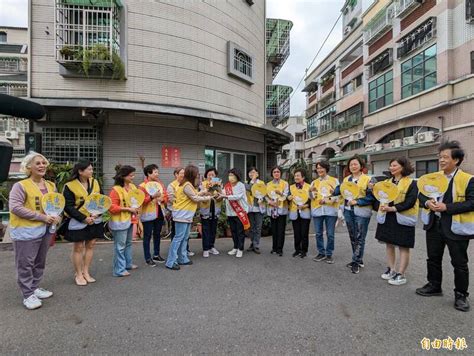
(330, 222)
(256, 220)
(122, 251)
(178, 252)
(152, 228)
(209, 231)
(357, 228)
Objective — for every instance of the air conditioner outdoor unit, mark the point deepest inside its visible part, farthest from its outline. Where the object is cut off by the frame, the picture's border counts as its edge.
(361, 135)
(347, 30)
(427, 136)
(11, 135)
(408, 141)
(338, 142)
(370, 148)
(378, 146)
(396, 143)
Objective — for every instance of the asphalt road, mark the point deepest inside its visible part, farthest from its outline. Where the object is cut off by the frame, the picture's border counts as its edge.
(260, 304)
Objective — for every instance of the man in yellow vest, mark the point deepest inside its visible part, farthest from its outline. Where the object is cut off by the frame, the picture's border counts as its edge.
(450, 221)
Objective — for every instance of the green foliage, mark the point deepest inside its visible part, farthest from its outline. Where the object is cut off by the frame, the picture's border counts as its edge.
(266, 225)
(59, 173)
(4, 192)
(222, 223)
(300, 164)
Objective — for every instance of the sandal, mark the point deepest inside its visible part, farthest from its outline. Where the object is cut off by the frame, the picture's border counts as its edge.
(89, 279)
(79, 282)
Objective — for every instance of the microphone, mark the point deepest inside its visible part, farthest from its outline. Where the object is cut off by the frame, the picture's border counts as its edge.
(13, 106)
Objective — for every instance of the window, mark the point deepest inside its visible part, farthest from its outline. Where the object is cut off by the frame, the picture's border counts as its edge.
(240, 63)
(349, 118)
(417, 38)
(352, 85)
(472, 62)
(62, 145)
(406, 132)
(14, 124)
(299, 154)
(381, 62)
(225, 160)
(299, 137)
(470, 10)
(425, 167)
(3, 37)
(381, 92)
(419, 72)
(353, 145)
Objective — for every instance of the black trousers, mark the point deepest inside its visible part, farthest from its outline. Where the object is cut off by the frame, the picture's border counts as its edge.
(435, 244)
(301, 232)
(238, 234)
(278, 233)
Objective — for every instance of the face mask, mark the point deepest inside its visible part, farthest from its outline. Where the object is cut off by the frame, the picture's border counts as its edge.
(232, 179)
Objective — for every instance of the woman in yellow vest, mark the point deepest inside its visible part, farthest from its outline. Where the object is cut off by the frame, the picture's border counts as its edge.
(300, 215)
(83, 228)
(29, 228)
(277, 209)
(256, 211)
(397, 226)
(357, 212)
(186, 199)
(121, 221)
(324, 211)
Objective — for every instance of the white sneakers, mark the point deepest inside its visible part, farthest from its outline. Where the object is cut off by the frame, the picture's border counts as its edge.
(43, 293)
(398, 280)
(191, 253)
(239, 254)
(389, 274)
(205, 254)
(32, 302)
(214, 251)
(232, 252)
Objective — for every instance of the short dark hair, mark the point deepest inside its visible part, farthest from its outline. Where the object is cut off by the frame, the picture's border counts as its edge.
(456, 150)
(250, 170)
(177, 170)
(190, 174)
(81, 165)
(236, 173)
(359, 159)
(149, 169)
(274, 169)
(122, 172)
(300, 170)
(324, 164)
(406, 164)
(212, 169)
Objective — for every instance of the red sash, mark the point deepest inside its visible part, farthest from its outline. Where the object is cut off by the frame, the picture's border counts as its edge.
(241, 214)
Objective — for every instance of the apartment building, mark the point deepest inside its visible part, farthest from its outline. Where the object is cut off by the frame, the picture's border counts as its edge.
(293, 151)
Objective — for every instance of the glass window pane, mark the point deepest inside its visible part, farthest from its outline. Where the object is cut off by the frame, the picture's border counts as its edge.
(209, 158)
(418, 72)
(432, 166)
(389, 87)
(406, 65)
(388, 75)
(372, 106)
(430, 51)
(223, 164)
(417, 86)
(406, 91)
(430, 65)
(252, 162)
(417, 59)
(380, 91)
(389, 99)
(239, 163)
(406, 77)
(430, 80)
(380, 80)
(372, 84)
(372, 94)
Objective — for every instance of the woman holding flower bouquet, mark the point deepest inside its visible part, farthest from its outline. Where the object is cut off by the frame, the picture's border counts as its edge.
(210, 211)
(256, 210)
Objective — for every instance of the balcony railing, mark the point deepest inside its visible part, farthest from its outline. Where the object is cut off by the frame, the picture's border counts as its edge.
(12, 65)
(404, 7)
(19, 90)
(87, 35)
(350, 118)
(278, 42)
(278, 103)
(417, 38)
(381, 22)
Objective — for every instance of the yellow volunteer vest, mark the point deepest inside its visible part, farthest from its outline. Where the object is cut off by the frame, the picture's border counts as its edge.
(122, 220)
(293, 207)
(281, 187)
(183, 207)
(463, 224)
(149, 211)
(174, 184)
(81, 194)
(410, 216)
(363, 183)
(315, 202)
(207, 204)
(30, 229)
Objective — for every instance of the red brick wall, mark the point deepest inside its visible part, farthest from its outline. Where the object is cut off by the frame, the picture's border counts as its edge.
(311, 98)
(417, 13)
(352, 67)
(380, 42)
(328, 85)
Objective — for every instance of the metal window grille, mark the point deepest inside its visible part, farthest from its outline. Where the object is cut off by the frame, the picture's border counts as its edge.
(243, 63)
(62, 145)
(13, 89)
(13, 124)
(12, 65)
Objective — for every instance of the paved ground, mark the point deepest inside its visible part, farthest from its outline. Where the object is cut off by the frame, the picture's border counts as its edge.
(256, 305)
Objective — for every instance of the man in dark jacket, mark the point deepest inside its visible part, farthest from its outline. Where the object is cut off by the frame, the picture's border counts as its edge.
(449, 220)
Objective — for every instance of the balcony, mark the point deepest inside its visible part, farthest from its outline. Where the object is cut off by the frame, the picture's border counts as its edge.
(87, 37)
(350, 118)
(417, 38)
(380, 24)
(13, 65)
(404, 7)
(278, 103)
(13, 89)
(278, 42)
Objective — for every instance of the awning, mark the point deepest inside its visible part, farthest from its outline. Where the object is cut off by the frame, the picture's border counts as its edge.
(312, 86)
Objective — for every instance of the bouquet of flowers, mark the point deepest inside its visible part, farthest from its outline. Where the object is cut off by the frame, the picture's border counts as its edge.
(214, 186)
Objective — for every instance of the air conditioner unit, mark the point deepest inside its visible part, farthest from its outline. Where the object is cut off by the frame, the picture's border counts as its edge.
(427, 136)
(361, 135)
(408, 141)
(396, 143)
(347, 30)
(11, 135)
(338, 142)
(370, 148)
(378, 147)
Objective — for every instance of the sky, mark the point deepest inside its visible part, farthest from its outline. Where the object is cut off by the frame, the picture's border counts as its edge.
(312, 21)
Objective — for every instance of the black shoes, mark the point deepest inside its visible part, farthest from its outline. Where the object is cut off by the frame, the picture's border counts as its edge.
(320, 257)
(429, 290)
(174, 268)
(189, 263)
(272, 252)
(280, 253)
(303, 254)
(296, 253)
(151, 263)
(355, 268)
(158, 259)
(251, 248)
(461, 303)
